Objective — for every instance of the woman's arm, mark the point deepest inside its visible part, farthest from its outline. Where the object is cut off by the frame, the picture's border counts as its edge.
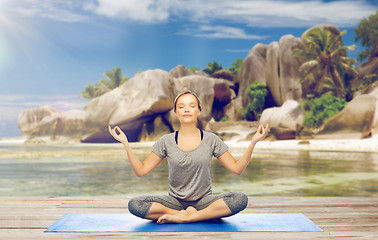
(238, 167)
(140, 169)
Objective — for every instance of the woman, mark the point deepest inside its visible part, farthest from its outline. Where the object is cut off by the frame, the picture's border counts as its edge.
(189, 152)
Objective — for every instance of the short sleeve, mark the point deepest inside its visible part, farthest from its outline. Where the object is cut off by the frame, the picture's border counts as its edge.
(159, 148)
(219, 147)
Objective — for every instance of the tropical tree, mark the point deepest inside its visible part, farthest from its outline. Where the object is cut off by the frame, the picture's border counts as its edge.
(325, 61)
(367, 32)
(256, 95)
(114, 80)
(212, 68)
(194, 69)
(236, 66)
(91, 91)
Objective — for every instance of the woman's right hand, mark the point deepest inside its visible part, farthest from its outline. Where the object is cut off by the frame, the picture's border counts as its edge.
(120, 136)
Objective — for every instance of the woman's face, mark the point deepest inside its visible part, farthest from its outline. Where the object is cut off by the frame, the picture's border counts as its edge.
(187, 108)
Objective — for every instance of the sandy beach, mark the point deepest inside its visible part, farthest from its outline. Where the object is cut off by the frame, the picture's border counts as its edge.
(345, 145)
(353, 145)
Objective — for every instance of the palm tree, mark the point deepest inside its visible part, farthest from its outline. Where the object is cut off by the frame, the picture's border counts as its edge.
(114, 79)
(212, 68)
(236, 66)
(326, 65)
(91, 91)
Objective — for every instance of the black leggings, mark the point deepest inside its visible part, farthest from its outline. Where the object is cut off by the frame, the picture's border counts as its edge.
(139, 206)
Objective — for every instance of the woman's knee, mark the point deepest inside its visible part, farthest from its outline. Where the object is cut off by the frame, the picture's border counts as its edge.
(236, 201)
(139, 206)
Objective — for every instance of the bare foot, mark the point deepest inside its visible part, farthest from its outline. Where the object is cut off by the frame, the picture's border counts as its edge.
(178, 217)
(169, 218)
(191, 210)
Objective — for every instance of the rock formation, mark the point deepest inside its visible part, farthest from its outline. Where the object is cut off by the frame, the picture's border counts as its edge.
(224, 74)
(367, 68)
(373, 91)
(38, 121)
(131, 105)
(180, 71)
(223, 95)
(355, 120)
(274, 66)
(253, 69)
(285, 120)
(290, 87)
(143, 106)
(48, 121)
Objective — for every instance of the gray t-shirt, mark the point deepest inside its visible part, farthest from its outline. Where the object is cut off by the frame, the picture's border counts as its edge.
(189, 171)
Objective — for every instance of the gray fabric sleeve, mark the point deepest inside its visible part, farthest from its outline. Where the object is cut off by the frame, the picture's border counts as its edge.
(219, 146)
(159, 148)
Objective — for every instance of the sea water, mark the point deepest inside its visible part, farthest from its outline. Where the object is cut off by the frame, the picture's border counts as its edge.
(104, 170)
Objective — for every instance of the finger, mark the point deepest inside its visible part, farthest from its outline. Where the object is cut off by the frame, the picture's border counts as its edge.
(118, 129)
(111, 131)
(259, 128)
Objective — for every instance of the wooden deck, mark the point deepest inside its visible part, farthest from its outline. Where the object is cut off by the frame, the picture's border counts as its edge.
(339, 217)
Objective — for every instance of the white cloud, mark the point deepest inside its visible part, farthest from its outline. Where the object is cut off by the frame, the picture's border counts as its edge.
(223, 32)
(148, 11)
(269, 13)
(59, 10)
(273, 13)
(211, 14)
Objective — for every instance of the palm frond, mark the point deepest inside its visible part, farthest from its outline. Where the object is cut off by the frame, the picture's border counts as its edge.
(304, 54)
(349, 61)
(329, 86)
(309, 66)
(106, 84)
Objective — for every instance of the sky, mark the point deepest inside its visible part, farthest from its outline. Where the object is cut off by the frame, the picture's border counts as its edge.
(51, 49)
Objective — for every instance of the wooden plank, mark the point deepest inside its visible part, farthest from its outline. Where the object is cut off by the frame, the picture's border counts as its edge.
(339, 217)
(35, 234)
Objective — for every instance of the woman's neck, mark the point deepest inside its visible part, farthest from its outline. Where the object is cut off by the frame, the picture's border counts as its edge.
(188, 129)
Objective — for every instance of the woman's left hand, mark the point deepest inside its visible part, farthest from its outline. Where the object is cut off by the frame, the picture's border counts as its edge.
(260, 134)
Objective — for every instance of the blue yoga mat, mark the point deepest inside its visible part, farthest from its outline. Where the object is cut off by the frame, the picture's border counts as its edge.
(261, 222)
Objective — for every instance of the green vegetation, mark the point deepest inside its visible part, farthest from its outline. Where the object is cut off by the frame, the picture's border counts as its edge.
(256, 93)
(212, 68)
(114, 80)
(318, 110)
(367, 32)
(194, 69)
(225, 119)
(326, 66)
(236, 66)
(91, 91)
(365, 82)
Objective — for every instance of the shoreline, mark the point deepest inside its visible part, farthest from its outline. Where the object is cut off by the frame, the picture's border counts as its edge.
(334, 145)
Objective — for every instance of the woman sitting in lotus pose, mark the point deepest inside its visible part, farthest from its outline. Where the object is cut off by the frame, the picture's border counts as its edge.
(189, 153)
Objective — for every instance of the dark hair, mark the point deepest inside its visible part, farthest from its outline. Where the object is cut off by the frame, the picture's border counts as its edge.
(184, 93)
